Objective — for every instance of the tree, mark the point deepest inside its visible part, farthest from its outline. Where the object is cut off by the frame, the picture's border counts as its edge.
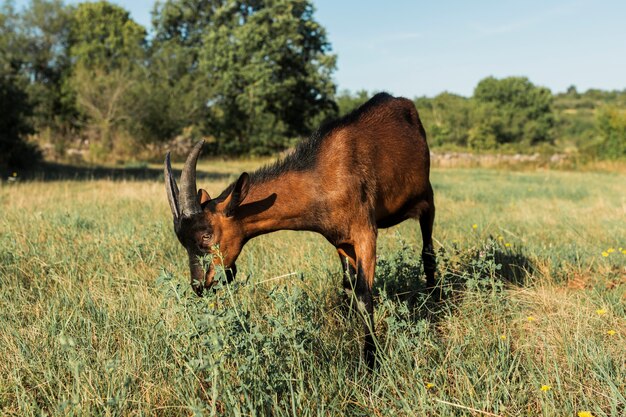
(15, 108)
(177, 90)
(15, 152)
(346, 101)
(45, 26)
(269, 71)
(103, 35)
(107, 49)
(263, 66)
(514, 111)
(611, 126)
(447, 118)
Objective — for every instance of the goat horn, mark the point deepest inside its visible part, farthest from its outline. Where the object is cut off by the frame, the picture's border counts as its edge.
(171, 188)
(188, 202)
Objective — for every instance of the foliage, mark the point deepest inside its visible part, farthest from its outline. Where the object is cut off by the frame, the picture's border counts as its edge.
(15, 106)
(346, 101)
(506, 114)
(226, 346)
(105, 100)
(107, 49)
(269, 73)
(448, 118)
(103, 36)
(45, 25)
(250, 77)
(611, 125)
(262, 67)
(513, 110)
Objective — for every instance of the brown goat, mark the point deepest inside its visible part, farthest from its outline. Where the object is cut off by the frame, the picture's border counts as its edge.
(365, 171)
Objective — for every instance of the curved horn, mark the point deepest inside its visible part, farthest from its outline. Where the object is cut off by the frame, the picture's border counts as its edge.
(171, 188)
(188, 202)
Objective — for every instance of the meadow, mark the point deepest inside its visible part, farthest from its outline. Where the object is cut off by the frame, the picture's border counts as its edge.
(529, 318)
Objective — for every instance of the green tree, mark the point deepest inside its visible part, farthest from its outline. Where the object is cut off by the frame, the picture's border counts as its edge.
(264, 67)
(175, 88)
(108, 51)
(45, 26)
(15, 107)
(103, 35)
(514, 111)
(447, 118)
(611, 126)
(15, 152)
(346, 101)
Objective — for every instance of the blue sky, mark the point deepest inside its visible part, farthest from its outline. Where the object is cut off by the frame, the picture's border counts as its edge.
(414, 48)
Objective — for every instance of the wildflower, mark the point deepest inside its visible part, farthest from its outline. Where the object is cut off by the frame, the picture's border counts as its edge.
(600, 312)
(430, 385)
(611, 332)
(624, 251)
(545, 388)
(530, 318)
(503, 337)
(605, 254)
(610, 250)
(585, 414)
(507, 244)
(500, 238)
(474, 226)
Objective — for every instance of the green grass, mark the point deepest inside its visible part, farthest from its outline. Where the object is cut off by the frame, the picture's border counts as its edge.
(97, 317)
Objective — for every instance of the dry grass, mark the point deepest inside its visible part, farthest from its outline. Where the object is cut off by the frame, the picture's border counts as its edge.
(87, 330)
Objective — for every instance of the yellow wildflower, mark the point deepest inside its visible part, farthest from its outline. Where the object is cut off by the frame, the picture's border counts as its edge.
(507, 244)
(585, 414)
(500, 238)
(430, 385)
(600, 311)
(611, 332)
(503, 337)
(546, 388)
(624, 251)
(474, 226)
(530, 318)
(610, 250)
(605, 254)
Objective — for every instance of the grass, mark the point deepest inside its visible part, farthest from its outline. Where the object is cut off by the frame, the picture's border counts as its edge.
(97, 316)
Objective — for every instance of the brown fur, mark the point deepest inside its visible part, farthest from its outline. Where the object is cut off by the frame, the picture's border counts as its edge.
(367, 171)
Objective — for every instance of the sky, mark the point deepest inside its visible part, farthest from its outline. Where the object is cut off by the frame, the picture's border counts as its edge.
(417, 48)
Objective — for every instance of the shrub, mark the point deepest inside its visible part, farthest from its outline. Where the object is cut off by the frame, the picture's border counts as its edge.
(15, 152)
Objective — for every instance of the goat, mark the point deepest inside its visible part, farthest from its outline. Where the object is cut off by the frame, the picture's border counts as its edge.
(363, 172)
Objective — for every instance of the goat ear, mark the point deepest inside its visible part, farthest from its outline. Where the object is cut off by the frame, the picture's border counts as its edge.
(238, 194)
(203, 198)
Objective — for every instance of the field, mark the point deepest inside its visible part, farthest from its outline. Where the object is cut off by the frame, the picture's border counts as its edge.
(97, 317)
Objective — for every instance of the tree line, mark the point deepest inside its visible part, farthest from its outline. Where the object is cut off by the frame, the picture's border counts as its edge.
(248, 75)
(251, 77)
(513, 115)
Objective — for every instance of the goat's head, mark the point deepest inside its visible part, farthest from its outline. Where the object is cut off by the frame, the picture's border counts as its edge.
(207, 228)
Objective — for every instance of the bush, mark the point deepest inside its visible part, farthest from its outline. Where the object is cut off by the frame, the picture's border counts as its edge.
(15, 152)
(611, 125)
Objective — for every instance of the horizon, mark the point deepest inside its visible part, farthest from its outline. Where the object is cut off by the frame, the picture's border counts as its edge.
(415, 51)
